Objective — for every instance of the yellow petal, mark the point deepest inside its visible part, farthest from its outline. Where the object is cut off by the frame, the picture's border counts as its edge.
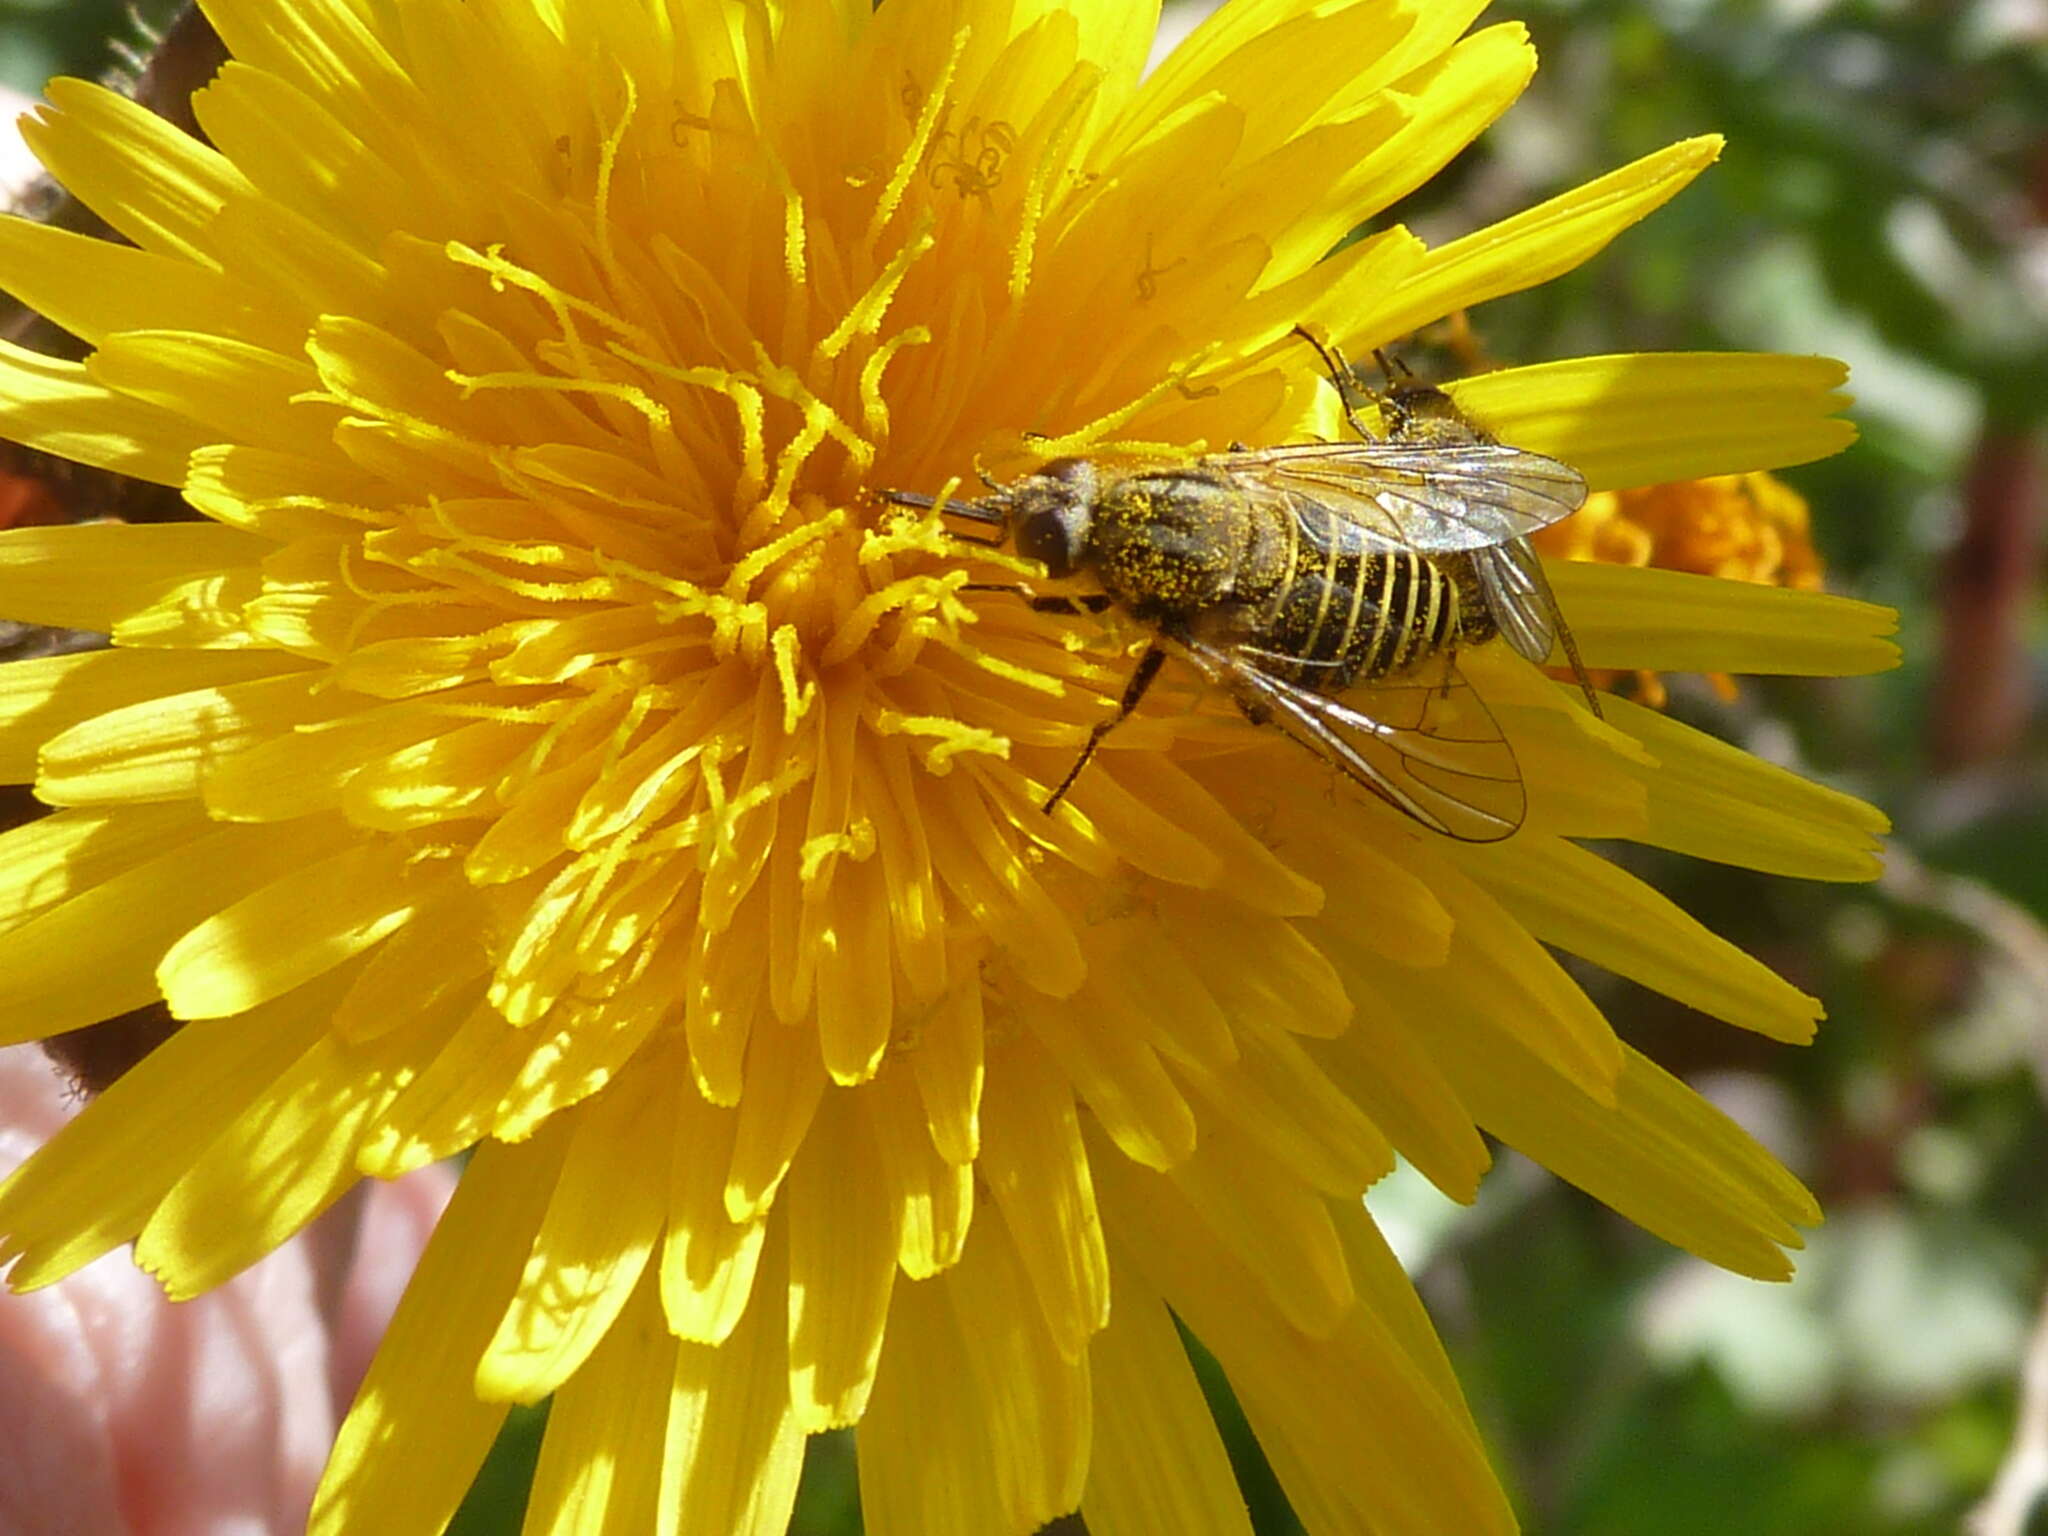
(1232, 215)
(1276, 1226)
(1580, 902)
(785, 1081)
(996, 886)
(1379, 1068)
(277, 495)
(588, 1044)
(238, 392)
(587, 1257)
(436, 963)
(153, 182)
(207, 612)
(330, 909)
(1715, 801)
(722, 980)
(1661, 1156)
(1116, 36)
(1146, 837)
(1326, 298)
(1648, 418)
(1262, 967)
(925, 1421)
(450, 1105)
(1279, 1097)
(397, 669)
(1079, 288)
(842, 1265)
(1535, 246)
(1142, 983)
(286, 1158)
(427, 108)
(708, 1261)
(1239, 50)
(1433, 30)
(1495, 965)
(294, 148)
(1448, 104)
(413, 1440)
(933, 1199)
(856, 973)
(1034, 1395)
(1628, 617)
(1581, 772)
(582, 1485)
(94, 1183)
(55, 857)
(1035, 1166)
(734, 1451)
(1118, 1076)
(916, 910)
(444, 777)
(94, 287)
(306, 769)
(94, 955)
(160, 748)
(1244, 865)
(325, 47)
(1157, 1463)
(1388, 1297)
(61, 409)
(949, 1067)
(1361, 1434)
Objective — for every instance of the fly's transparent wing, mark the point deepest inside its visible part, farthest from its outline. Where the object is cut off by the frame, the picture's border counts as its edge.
(1518, 595)
(1429, 747)
(1435, 498)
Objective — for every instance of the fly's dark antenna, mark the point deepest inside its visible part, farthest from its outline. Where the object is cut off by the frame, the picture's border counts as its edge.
(973, 511)
(1396, 371)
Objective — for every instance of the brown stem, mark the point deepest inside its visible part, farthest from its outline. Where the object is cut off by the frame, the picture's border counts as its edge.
(1981, 697)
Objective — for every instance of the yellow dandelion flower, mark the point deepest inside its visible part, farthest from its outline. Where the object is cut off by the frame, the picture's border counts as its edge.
(549, 743)
(1750, 527)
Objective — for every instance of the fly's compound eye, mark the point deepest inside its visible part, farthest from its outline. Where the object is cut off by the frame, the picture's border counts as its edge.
(1050, 513)
(1054, 533)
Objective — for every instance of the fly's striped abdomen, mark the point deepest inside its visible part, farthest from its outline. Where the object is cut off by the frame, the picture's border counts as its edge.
(1346, 611)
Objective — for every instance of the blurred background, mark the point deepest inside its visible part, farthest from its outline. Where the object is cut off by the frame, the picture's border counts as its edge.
(1884, 199)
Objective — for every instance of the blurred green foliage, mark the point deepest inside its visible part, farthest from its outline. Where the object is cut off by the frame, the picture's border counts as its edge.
(1882, 199)
(41, 38)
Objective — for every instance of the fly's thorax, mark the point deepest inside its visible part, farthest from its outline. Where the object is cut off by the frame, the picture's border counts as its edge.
(1422, 413)
(1170, 543)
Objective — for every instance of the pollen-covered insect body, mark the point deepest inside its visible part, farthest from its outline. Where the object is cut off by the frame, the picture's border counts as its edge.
(1289, 576)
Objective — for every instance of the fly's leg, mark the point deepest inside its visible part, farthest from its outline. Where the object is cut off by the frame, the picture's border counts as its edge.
(1148, 668)
(1585, 680)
